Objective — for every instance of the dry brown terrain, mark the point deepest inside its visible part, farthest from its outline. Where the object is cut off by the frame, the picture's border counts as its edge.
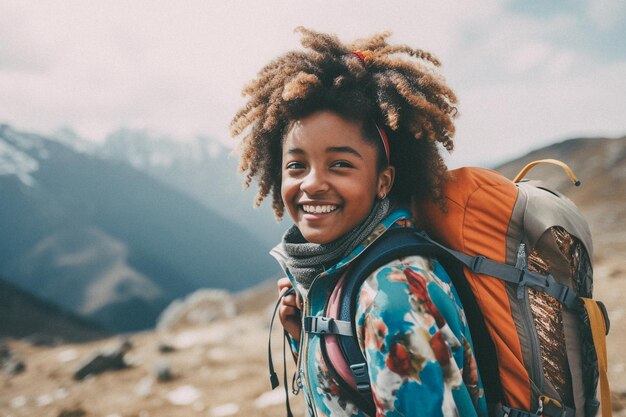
(218, 369)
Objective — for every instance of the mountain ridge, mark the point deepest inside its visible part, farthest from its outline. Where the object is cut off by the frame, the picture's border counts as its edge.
(150, 230)
(27, 316)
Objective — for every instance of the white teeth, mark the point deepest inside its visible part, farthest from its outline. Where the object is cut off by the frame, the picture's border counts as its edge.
(318, 209)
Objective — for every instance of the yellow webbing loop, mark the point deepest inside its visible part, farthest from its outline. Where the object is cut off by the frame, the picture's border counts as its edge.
(556, 162)
(545, 400)
(598, 331)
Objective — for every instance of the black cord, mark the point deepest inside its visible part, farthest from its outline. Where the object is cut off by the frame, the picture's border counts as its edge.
(289, 414)
(273, 377)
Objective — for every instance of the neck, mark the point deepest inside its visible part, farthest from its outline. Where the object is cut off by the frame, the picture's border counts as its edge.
(306, 260)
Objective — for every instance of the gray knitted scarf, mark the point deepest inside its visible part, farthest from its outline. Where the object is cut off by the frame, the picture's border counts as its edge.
(307, 260)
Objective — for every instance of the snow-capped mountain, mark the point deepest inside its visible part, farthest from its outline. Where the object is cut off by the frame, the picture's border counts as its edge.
(108, 242)
(144, 150)
(200, 167)
(19, 156)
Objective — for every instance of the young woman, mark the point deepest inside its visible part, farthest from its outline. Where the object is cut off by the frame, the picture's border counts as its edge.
(345, 137)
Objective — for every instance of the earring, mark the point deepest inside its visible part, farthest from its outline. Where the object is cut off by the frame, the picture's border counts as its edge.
(382, 196)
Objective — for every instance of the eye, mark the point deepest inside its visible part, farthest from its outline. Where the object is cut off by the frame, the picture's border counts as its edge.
(294, 165)
(341, 164)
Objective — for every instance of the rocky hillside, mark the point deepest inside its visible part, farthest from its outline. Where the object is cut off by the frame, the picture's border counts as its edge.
(24, 316)
(216, 369)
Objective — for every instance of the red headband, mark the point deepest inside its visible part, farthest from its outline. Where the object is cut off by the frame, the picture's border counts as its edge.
(383, 136)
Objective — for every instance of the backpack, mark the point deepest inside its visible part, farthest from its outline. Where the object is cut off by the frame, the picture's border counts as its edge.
(519, 256)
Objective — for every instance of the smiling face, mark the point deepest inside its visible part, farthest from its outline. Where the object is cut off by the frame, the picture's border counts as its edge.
(329, 176)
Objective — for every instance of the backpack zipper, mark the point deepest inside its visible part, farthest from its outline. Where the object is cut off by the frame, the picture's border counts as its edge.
(520, 261)
(536, 363)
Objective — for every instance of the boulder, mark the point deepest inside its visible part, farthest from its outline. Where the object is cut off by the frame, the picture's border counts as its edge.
(110, 358)
(198, 308)
(166, 347)
(10, 364)
(163, 371)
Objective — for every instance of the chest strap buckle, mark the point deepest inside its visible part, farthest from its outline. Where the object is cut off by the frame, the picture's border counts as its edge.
(327, 325)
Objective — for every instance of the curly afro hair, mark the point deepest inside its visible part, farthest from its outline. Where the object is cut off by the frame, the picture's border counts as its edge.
(392, 86)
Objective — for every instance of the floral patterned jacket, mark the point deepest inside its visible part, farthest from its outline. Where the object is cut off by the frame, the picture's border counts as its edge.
(412, 330)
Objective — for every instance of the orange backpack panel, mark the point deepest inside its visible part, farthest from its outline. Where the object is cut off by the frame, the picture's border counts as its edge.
(479, 207)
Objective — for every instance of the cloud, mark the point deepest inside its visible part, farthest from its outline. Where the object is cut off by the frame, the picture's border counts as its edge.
(504, 121)
(607, 14)
(176, 69)
(527, 57)
(179, 69)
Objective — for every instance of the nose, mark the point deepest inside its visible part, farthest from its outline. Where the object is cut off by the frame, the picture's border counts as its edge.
(315, 182)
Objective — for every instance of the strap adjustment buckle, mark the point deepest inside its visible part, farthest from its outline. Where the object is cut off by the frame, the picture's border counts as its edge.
(567, 296)
(476, 262)
(361, 377)
(327, 325)
(533, 280)
(317, 324)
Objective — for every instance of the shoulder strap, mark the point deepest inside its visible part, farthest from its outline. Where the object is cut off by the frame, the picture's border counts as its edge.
(512, 274)
(396, 243)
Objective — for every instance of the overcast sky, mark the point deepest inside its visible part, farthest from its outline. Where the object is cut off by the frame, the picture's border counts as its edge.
(527, 73)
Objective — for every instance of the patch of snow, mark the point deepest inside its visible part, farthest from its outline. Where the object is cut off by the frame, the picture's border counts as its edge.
(219, 354)
(60, 393)
(198, 308)
(134, 359)
(68, 137)
(24, 141)
(106, 289)
(215, 334)
(14, 161)
(144, 387)
(183, 395)
(225, 410)
(143, 149)
(44, 400)
(18, 402)
(270, 398)
(191, 338)
(67, 355)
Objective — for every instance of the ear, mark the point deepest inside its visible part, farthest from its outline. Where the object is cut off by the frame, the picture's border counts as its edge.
(385, 181)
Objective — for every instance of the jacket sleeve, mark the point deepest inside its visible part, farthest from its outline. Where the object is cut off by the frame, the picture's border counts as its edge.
(413, 333)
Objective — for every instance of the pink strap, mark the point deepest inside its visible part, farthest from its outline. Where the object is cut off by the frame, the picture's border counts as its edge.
(332, 344)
